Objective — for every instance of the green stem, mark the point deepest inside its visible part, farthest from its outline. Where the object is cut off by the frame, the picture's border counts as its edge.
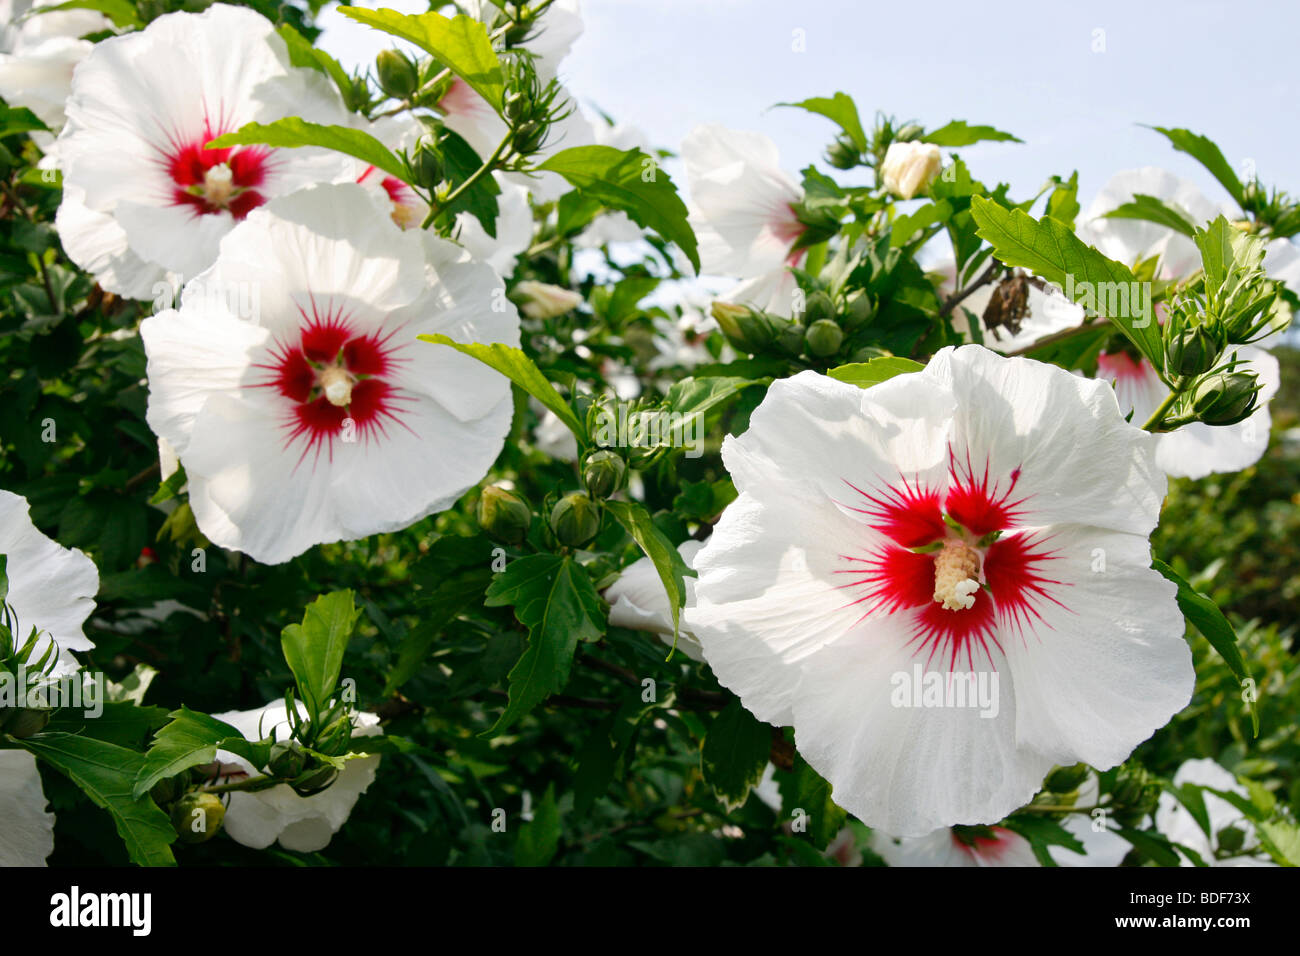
(1153, 423)
(436, 208)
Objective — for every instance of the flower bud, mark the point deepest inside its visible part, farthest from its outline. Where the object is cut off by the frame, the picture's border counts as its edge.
(287, 759)
(575, 519)
(314, 781)
(398, 76)
(790, 340)
(544, 301)
(824, 338)
(818, 306)
(861, 310)
(1225, 398)
(1066, 779)
(529, 137)
(843, 154)
(909, 168)
(604, 473)
(908, 133)
(1230, 839)
(746, 329)
(427, 167)
(1191, 351)
(197, 817)
(503, 514)
(24, 722)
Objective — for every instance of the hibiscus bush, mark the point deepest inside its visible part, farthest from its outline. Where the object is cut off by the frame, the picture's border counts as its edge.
(403, 466)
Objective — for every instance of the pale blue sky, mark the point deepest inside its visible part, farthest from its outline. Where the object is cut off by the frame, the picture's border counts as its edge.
(1032, 68)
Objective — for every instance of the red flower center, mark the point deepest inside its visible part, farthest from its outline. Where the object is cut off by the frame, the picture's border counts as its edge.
(216, 180)
(336, 381)
(928, 532)
(401, 195)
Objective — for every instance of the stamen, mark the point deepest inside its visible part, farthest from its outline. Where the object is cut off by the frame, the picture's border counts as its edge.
(956, 575)
(218, 185)
(336, 383)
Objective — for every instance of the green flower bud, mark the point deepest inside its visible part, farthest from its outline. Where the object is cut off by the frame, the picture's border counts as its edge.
(604, 473)
(427, 167)
(746, 329)
(909, 132)
(398, 76)
(575, 519)
(1230, 839)
(824, 338)
(843, 154)
(314, 781)
(166, 790)
(1226, 398)
(197, 817)
(1067, 779)
(818, 306)
(287, 759)
(861, 310)
(1192, 351)
(791, 339)
(25, 722)
(529, 137)
(503, 514)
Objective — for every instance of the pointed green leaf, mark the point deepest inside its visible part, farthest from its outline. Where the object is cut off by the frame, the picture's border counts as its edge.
(540, 837)
(292, 132)
(630, 181)
(1049, 249)
(106, 774)
(735, 753)
(1154, 209)
(519, 368)
(459, 43)
(839, 109)
(189, 740)
(667, 560)
(959, 133)
(875, 371)
(314, 649)
(1205, 152)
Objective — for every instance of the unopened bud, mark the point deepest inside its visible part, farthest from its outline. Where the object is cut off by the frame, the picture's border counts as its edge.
(818, 306)
(287, 759)
(575, 519)
(1226, 398)
(824, 338)
(314, 781)
(908, 133)
(909, 168)
(843, 154)
(541, 300)
(790, 339)
(398, 76)
(746, 329)
(1067, 779)
(24, 722)
(503, 514)
(197, 817)
(1192, 351)
(861, 310)
(427, 167)
(604, 473)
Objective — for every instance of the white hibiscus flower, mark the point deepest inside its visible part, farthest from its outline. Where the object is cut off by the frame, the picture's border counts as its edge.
(514, 226)
(983, 522)
(51, 588)
(743, 214)
(143, 197)
(1178, 824)
(321, 418)
(638, 601)
(301, 824)
(38, 53)
(393, 196)
(26, 826)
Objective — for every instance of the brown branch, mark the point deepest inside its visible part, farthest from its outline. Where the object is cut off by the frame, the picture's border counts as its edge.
(957, 298)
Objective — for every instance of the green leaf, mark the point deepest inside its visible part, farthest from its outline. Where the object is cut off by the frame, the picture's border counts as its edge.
(106, 773)
(314, 649)
(1063, 203)
(121, 12)
(292, 132)
(437, 609)
(839, 109)
(554, 598)
(302, 53)
(540, 838)
(1206, 617)
(1154, 209)
(1086, 277)
(667, 560)
(519, 368)
(1153, 845)
(480, 200)
(189, 740)
(1282, 841)
(958, 133)
(735, 753)
(1043, 833)
(16, 119)
(460, 43)
(1205, 152)
(630, 181)
(875, 371)
(119, 722)
(804, 790)
(907, 226)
